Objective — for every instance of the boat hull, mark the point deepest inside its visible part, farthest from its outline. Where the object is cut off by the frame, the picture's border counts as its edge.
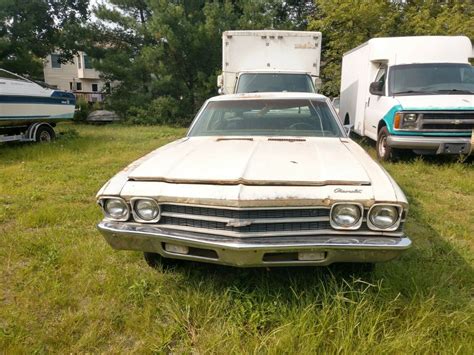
(23, 111)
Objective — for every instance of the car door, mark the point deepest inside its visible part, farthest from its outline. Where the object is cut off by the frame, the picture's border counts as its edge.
(376, 106)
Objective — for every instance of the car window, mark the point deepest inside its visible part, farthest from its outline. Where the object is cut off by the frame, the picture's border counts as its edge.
(288, 117)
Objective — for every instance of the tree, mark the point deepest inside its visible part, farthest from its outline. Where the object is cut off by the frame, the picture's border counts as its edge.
(345, 24)
(32, 29)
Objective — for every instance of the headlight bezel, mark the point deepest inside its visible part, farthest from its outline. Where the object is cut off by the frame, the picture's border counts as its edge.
(136, 215)
(102, 201)
(402, 124)
(394, 226)
(354, 226)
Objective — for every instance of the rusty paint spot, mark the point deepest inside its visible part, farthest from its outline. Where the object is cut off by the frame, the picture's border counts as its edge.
(287, 139)
(234, 139)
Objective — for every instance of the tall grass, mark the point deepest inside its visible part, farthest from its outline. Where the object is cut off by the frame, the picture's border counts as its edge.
(63, 289)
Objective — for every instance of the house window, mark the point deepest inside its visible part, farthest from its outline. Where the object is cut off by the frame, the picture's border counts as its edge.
(87, 62)
(70, 85)
(55, 63)
(78, 86)
(79, 62)
(95, 87)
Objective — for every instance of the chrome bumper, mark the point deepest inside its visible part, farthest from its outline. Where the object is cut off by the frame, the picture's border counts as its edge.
(440, 145)
(253, 252)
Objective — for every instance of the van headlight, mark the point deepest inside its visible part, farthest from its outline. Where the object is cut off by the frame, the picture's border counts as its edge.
(145, 210)
(403, 120)
(384, 217)
(115, 208)
(346, 216)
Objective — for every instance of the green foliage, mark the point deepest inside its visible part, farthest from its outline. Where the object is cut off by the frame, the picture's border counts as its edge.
(163, 110)
(82, 110)
(345, 24)
(30, 30)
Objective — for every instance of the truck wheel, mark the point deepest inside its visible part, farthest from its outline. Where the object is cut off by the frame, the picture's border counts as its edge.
(384, 152)
(44, 134)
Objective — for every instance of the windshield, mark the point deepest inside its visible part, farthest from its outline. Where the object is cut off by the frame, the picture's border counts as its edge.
(288, 117)
(431, 78)
(274, 82)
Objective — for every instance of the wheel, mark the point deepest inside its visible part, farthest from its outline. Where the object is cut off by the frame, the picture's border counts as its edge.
(384, 152)
(155, 260)
(44, 134)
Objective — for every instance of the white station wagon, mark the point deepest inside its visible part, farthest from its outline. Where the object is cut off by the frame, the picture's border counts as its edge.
(268, 179)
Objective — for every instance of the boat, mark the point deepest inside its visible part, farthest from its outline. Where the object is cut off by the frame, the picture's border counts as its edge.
(24, 102)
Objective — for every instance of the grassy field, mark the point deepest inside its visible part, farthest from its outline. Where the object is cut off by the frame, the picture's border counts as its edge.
(63, 289)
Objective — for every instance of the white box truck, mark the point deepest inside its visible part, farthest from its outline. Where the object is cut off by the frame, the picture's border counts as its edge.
(269, 61)
(412, 93)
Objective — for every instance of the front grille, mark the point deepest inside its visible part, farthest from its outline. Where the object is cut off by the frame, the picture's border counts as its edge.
(250, 222)
(246, 213)
(448, 121)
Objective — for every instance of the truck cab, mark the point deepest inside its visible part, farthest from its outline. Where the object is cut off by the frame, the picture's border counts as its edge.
(414, 93)
(270, 61)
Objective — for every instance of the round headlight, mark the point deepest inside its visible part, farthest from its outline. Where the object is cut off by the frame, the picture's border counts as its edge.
(115, 208)
(146, 210)
(383, 216)
(346, 216)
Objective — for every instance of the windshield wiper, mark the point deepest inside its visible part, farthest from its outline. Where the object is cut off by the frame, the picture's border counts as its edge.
(456, 91)
(412, 92)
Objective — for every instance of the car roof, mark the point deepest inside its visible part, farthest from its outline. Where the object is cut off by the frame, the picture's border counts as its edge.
(269, 95)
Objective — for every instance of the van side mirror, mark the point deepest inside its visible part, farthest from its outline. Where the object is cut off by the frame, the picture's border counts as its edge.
(318, 83)
(376, 88)
(348, 128)
(220, 84)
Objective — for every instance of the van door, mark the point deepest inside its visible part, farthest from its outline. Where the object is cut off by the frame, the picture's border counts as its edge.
(377, 105)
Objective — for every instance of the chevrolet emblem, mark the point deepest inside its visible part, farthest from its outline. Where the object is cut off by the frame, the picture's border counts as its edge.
(238, 223)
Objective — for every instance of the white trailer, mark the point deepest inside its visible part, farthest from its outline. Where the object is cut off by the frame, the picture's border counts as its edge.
(410, 93)
(269, 60)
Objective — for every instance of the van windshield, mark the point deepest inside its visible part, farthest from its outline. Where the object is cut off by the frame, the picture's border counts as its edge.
(433, 78)
(274, 82)
(267, 117)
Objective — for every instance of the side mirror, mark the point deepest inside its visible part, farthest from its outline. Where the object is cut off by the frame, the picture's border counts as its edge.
(376, 88)
(318, 83)
(348, 128)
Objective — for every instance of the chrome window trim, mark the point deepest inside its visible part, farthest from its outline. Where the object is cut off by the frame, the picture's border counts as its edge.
(100, 202)
(355, 226)
(136, 216)
(391, 228)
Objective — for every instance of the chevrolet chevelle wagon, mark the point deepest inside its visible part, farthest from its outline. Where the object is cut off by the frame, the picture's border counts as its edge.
(268, 179)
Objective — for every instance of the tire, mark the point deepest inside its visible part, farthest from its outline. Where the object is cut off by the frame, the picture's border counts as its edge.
(384, 152)
(44, 134)
(155, 260)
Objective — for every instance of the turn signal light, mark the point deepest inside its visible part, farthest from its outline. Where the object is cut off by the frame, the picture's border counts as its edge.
(396, 120)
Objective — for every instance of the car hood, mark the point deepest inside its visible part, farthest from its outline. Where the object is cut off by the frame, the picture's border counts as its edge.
(254, 161)
(436, 102)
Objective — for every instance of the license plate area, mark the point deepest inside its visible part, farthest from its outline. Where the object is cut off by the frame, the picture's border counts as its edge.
(454, 148)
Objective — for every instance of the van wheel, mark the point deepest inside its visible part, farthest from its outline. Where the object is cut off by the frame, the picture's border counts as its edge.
(44, 134)
(384, 152)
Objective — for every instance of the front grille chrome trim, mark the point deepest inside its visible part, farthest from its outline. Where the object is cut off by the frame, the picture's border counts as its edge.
(245, 220)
